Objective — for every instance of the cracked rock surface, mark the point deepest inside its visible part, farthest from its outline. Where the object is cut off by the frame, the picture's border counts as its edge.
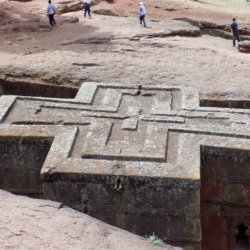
(244, 47)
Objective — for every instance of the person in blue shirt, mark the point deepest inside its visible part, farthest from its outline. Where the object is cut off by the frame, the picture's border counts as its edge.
(235, 30)
(51, 12)
(143, 13)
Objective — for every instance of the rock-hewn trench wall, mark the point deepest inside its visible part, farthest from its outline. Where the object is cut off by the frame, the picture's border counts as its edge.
(21, 160)
(225, 198)
(34, 89)
(139, 204)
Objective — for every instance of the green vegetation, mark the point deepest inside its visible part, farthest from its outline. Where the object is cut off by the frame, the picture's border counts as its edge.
(155, 240)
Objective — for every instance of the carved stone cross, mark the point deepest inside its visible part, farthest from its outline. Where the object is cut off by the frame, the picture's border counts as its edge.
(132, 155)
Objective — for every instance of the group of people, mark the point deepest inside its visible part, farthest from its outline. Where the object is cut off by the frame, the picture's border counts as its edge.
(234, 25)
(142, 9)
(51, 11)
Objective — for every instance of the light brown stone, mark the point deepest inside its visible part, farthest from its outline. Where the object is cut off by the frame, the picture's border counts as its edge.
(123, 155)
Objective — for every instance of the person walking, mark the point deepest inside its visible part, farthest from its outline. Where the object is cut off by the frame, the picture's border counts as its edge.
(51, 12)
(87, 7)
(143, 13)
(235, 30)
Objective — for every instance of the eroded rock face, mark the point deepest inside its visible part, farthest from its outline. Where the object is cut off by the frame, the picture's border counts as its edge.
(105, 12)
(22, 0)
(69, 6)
(64, 6)
(69, 19)
(38, 224)
(217, 29)
(244, 47)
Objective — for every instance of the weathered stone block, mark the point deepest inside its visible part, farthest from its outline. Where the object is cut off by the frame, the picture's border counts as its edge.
(21, 160)
(142, 158)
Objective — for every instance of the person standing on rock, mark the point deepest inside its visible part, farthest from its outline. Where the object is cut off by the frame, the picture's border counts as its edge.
(235, 30)
(51, 10)
(87, 7)
(143, 13)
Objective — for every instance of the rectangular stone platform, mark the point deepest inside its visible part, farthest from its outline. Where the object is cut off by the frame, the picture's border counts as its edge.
(133, 156)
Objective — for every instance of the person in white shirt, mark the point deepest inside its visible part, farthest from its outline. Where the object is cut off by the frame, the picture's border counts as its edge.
(51, 12)
(87, 7)
(143, 13)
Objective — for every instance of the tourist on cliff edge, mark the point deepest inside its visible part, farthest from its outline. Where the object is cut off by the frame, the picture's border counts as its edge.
(87, 7)
(51, 10)
(143, 13)
(235, 30)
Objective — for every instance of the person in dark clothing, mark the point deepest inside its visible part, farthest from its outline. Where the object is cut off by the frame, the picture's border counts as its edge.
(235, 30)
(51, 12)
(87, 7)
